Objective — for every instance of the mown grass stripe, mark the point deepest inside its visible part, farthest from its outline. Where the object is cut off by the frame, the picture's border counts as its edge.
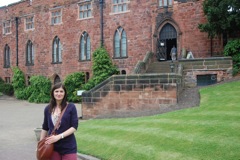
(173, 134)
(150, 151)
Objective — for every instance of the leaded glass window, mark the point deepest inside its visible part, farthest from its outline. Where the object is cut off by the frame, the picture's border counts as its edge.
(119, 5)
(29, 53)
(6, 56)
(85, 10)
(7, 27)
(56, 17)
(85, 47)
(29, 23)
(120, 43)
(57, 51)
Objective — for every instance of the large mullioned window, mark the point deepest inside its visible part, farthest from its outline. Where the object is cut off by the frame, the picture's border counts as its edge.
(120, 43)
(56, 17)
(119, 6)
(85, 47)
(85, 10)
(29, 23)
(7, 27)
(56, 51)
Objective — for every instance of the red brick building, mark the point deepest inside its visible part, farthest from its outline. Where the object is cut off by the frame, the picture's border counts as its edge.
(57, 38)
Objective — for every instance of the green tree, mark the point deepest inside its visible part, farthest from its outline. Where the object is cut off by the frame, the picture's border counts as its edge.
(18, 83)
(102, 68)
(223, 16)
(233, 49)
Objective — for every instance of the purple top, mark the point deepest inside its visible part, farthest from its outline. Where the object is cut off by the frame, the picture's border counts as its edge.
(69, 119)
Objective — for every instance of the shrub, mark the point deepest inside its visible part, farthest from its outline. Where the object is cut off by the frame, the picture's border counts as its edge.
(6, 88)
(18, 80)
(233, 49)
(73, 83)
(1, 80)
(90, 84)
(18, 83)
(1, 85)
(39, 90)
(102, 68)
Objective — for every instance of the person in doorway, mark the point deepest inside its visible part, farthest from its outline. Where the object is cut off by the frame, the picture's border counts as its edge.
(65, 145)
(173, 53)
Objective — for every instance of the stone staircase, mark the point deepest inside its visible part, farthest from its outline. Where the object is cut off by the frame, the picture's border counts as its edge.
(162, 67)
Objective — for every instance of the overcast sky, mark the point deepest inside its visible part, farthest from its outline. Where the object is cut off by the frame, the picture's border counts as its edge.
(6, 2)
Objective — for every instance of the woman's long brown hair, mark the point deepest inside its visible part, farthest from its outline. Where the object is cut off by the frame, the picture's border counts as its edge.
(53, 102)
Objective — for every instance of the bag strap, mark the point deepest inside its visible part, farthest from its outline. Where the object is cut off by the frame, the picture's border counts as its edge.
(58, 121)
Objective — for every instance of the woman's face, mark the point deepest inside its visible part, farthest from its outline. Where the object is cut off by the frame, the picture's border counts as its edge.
(59, 94)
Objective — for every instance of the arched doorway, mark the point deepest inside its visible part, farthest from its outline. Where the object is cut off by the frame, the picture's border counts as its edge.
(166, 40)
(57, 79)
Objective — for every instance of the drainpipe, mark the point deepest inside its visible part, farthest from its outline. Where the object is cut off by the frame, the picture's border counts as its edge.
(16, 40)
(101, 21)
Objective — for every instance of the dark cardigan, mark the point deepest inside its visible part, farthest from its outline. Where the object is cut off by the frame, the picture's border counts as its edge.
(68, 144)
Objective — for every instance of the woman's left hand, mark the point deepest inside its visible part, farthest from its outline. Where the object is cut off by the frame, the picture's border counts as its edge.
(53, 139)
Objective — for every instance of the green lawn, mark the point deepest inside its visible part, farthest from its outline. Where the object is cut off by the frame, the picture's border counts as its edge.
(208, 132)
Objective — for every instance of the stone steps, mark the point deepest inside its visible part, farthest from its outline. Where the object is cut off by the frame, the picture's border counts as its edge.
(162, 67)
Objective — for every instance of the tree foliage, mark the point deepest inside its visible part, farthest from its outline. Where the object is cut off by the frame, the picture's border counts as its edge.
(18, 83)
(233, 49)
(73, 83)
(223, 16)
(39, 90)
(102, 68)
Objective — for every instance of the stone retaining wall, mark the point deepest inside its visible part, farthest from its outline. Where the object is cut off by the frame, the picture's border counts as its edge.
(221, 66)
(123, 94)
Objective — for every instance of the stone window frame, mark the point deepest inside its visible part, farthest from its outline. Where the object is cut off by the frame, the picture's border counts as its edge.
(85, 47)
(120, 44)
(29, 53)
(120, 6)
(56, 51)
(7, 56)
(29, 22)
(164, 3)
(7, 25)
(86, 8)
(56, 16)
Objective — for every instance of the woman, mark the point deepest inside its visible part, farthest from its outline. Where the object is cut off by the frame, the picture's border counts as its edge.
(65, 145)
